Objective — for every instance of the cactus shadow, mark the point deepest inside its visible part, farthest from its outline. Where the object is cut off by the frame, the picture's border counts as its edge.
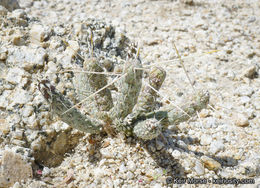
(225, 161)
(164, 160)
(173, 167)
(94, 154)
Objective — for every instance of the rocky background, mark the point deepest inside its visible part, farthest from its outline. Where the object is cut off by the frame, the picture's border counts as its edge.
(219, 42)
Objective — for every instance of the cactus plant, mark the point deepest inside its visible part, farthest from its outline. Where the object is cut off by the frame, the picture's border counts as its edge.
(121, 103)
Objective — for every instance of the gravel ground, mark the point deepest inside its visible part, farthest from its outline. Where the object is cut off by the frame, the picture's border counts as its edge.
(219, 42)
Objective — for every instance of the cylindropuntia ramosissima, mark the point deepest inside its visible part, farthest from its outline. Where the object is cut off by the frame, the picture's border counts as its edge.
(124, 104)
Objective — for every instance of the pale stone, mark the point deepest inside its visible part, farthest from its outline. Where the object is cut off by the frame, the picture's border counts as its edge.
(241, 120)
(37, 33)
(250, 71)
(216, 146)
(4, 99)
(122, 168)
(10, 4)
(13, 169)
(15, 75)
(199, 168)
(210, 163)
(205, 139)
(21, 96)
(3, 11)
(131, 166)
(4, 127)
(27, 58)
(19, 13)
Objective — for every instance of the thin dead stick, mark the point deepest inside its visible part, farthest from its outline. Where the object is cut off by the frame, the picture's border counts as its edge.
(193, 56)
(87, 72)
(93, 94)
(182, 64)
(201, 125)
(167, 99)
(224, 108)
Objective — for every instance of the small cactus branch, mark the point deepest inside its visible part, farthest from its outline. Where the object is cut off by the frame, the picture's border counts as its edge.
(73, 117)
(128, 88)
(175, 116)
(146, 103)
(147, 99)
(201, 101)
(147, 129)
(103, 98)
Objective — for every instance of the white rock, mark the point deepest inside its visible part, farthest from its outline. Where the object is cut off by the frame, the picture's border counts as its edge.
(106, 153)
(46, 171)
(157, 185)
(117, 182)
(27, 58)
(3, 11)
(72, 49)
(10, 4)
(210, 163)
(216, 146)
(244, 99)
(241, 120)
(131, 166)
(250, 71)
(32, 122)
(4, 127)
(27, 111)
(211, 122)
(4, 99)
(122, 168)
(17, 185)
(13, 169)
(18, 134)
(176, 153)
(21, 96)
(14, 75)
(99, 172)
(159, 145)
(182, 144)
(199, 168)
(244, 91)
(205, 139)
(19, 13)
(129, 175)
(38, 33)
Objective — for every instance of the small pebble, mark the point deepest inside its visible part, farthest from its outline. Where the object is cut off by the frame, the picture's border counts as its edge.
(38, 33)
(10, 4)
(131, 166)
(159, 145)
(244, 99)
(3, 11)
(205, 140)
(13, 169)
(216, 146)
(199, 168)
(4, 127)
(129, 175)
(106, 153)
(21, 96)
(14, 75)
(250, 72)
(122, 168)
(244, 91)
(176, 153)
(182, 144)
(241, 120)
(46, 171)
(210, 163)
(19, 13)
